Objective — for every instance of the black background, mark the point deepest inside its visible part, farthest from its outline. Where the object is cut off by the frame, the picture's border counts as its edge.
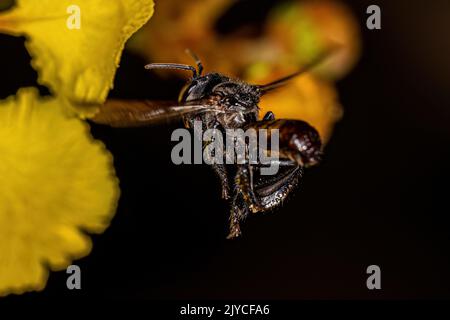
(380, 196)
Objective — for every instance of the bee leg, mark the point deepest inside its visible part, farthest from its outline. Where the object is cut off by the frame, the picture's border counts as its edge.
(235, 227)
(238, 213)
(269, 116)
(244, 183)
(273, 190)
(221, 172)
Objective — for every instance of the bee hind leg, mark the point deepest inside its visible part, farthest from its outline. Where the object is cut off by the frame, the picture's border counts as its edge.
(244, 186)
(272, 191)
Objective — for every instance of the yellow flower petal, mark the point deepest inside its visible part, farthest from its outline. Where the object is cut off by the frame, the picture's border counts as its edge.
(76, 63)
(307, 99)
(55, 182)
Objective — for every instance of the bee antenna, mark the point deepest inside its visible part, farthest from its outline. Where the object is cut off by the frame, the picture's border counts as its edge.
(197, 60)
(175, 66)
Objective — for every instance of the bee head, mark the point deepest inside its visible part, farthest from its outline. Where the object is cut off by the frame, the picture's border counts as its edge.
(201, 87)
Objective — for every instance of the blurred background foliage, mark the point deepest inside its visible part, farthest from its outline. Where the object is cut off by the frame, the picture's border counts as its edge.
(261, 46)
(6, 4)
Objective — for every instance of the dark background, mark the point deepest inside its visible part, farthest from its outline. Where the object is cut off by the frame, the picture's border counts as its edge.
(380, 197)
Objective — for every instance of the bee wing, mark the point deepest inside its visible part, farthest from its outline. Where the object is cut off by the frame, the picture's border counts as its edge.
(136, 113)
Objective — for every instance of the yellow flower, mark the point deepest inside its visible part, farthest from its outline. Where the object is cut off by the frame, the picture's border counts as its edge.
(76, 44)
(55, 182)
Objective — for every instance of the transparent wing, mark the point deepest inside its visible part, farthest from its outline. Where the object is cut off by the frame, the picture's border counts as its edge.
(136, 113)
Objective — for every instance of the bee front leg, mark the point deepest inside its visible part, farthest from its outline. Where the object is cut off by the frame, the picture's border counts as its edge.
(238, 213)
(222, 173)
(220, 170)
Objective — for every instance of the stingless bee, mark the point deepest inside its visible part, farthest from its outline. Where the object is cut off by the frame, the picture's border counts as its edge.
(220, 102)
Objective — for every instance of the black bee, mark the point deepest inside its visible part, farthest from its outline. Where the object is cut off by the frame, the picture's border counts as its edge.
(220, 102)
